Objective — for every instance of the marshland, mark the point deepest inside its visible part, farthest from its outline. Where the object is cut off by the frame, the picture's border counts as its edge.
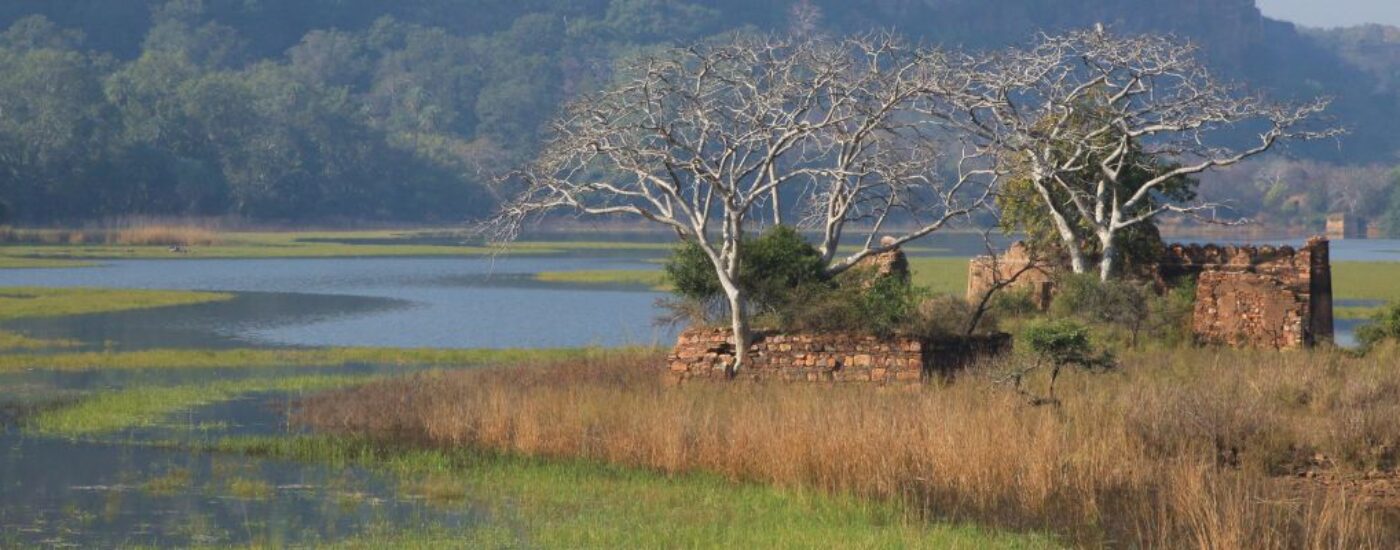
(668, 273)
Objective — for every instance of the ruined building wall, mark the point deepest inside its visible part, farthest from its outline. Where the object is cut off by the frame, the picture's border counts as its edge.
(1258, 296)
(1017, 270)
(1246, 296)
(705, 353)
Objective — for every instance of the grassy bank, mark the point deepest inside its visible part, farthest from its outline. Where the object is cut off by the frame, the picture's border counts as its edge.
(294, 357)
(653, 279)
(11, 342)
(583, 504)
(114, 411)
(11, 262)
(21, 302)
(60, 248)
(1192, 448)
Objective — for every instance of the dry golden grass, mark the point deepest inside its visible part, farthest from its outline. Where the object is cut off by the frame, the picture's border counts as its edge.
(141, 234)
(164, 235)
(1185, 449)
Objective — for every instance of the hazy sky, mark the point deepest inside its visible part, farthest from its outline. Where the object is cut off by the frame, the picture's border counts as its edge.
(1333, 13)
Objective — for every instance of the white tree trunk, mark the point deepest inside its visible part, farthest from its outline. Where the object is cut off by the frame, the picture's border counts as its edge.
(739, 323)
(1109, 242)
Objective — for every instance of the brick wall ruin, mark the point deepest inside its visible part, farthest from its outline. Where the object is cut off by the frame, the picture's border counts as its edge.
(1246, 296)
(1014, 268)
(705, 353)
(1258, 296)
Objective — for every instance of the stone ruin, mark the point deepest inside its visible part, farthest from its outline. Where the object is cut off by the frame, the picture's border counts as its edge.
(706, 353)
(1246, 296)
(1346, 226)
(1018, 265)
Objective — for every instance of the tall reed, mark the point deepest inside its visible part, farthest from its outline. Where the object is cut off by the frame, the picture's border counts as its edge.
(1190, 449)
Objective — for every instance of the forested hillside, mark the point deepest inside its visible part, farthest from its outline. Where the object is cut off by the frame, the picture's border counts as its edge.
(402, 111)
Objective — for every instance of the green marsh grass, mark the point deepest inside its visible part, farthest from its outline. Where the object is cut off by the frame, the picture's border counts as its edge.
(21, 302)
(11, 262)
(582, 504)
(654, 279)
(172, 481)
(10, 342)
(139, 407)
(248, 489)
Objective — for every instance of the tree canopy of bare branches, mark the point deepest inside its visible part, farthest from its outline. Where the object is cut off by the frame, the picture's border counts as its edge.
(716, 140)
(1080, 114)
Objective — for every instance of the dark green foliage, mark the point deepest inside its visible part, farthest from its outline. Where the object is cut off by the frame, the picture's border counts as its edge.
(1384, 327)
(1124, 310)
(857, 301)
(1063, 343)
(1085, 297)
(772, 267)
(787, 288)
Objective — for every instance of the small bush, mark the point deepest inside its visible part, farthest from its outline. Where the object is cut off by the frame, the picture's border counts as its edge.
(858, 300)
(1123, 310)
(1384, 327)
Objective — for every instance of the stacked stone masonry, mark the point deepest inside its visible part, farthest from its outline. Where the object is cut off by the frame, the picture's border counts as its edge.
(1257, 296)
(706, 353)
(1246, 296)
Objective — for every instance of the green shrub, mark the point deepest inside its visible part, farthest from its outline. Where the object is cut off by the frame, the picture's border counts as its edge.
(1123, 310)
(1057, 344)
(858, 300)
(1060, 343)
(1384, 326)
(771, 266)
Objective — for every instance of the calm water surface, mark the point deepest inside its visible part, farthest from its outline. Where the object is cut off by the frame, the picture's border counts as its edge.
(390, 302)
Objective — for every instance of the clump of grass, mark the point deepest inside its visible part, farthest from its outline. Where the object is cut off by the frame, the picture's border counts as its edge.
(1173, 450)
(172, 481)
(249, 489)
(436, 488)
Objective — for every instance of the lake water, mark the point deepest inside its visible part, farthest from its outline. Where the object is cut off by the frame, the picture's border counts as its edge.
(390, 302)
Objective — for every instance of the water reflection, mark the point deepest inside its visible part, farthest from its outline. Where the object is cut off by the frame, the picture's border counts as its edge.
(109, 495)
(122, 491)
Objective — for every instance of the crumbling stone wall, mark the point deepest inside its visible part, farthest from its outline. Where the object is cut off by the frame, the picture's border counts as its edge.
(1017, 269)
(1246, 296)
(1258, 296)
(705, 353)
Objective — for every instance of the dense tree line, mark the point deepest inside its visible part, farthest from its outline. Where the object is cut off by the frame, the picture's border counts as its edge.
(363, 109)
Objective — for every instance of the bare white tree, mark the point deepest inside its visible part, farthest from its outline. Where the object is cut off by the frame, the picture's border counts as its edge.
(1102, 125)
(715, 140)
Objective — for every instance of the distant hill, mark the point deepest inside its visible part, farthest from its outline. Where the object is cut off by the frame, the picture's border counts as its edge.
(166, 104)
